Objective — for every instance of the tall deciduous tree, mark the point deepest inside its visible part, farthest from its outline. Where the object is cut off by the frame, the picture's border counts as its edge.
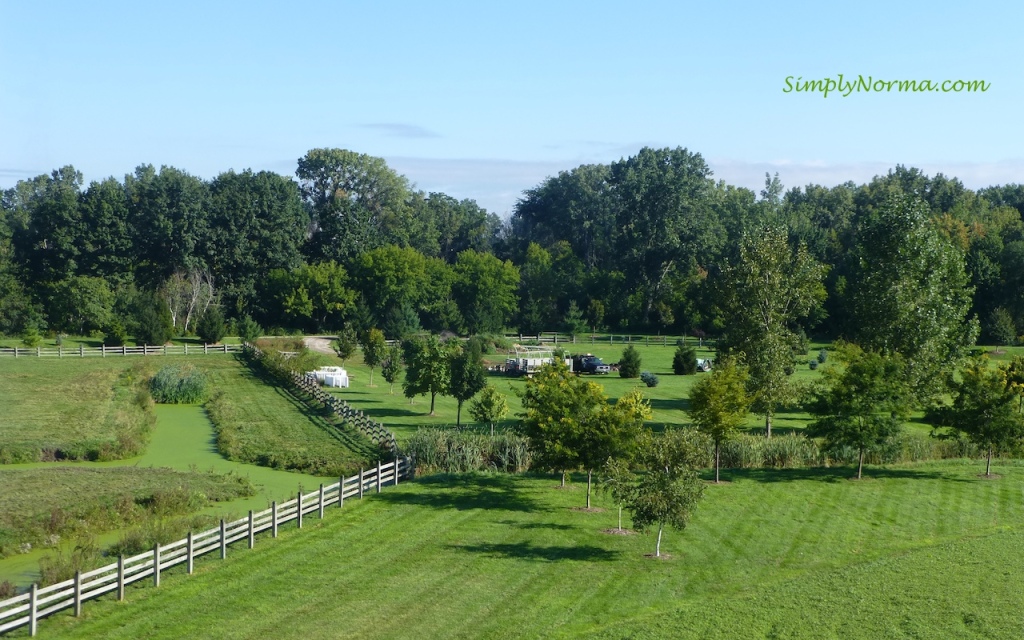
(490, 407)
(862, 402)
(391, 367)
(614, 431)
(768, 288)
(358, 203)
(467, 375)
(428, 368)
(719, 403)
(485, 290)
(908, 293)
(665, 222)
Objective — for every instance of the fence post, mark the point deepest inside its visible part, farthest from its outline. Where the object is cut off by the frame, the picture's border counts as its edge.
(78, 593)
(205, 350)
(60, 351)
(103, 350)
(360, 483)
(648, 341)
(252, 534)
(223, 540)
(15, 352)
(273, 519)
(165, 349)
(321, 505)
(120, 577)
(188, 552)
(124, 350)
(156, 564)
(341, 492)
(186, 348)
(378, 476)
(32, 597)
(81, 351)
(298, 508)
(396, 471)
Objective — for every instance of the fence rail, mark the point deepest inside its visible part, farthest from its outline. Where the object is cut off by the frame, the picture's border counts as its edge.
(28, 608)
(566, 339)
(102, 352)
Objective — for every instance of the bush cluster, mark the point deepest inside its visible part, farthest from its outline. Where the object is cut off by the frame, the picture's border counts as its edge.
(179, 384)
(451, 451)
(648, 378)
(684, 362)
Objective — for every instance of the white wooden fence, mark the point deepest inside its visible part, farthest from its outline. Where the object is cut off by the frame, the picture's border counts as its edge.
(26, 609)
(566, 339)
(102, 352)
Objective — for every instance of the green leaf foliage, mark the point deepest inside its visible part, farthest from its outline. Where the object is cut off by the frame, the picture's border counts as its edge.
(629, 365)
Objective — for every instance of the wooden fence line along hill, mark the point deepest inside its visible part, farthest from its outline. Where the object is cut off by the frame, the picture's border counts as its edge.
(28, 608)
(624, 339)
(351, 416)
(102, 352)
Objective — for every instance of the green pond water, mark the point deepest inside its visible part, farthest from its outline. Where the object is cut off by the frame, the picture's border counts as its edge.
(182, 439)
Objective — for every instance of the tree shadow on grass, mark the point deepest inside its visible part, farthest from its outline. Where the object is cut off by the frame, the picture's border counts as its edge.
(538, 525)
(465, 492)
(528, 551)
(829, 474)
(677, 404)
(390, 413)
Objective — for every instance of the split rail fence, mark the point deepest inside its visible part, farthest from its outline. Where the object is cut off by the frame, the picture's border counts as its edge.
(28, 608)
(559, 338)
(103, 352)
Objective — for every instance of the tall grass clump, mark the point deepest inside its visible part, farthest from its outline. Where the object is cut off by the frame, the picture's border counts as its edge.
(450, 451)
(179, 384)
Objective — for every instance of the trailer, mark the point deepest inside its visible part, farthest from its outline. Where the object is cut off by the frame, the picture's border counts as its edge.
(527, 360)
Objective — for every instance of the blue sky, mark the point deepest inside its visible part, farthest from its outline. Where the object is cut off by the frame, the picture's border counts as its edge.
(484, 100)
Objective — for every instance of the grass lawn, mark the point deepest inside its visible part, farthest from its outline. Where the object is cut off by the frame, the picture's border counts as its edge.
(65, 500)
(77, 409)
(914, 551)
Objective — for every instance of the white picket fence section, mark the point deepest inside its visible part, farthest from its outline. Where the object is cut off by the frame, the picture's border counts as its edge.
(103, 352)
(28, 608)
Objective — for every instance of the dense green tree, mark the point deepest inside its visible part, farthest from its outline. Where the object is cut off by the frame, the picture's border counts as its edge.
(358, 203)
(169, 213)
(107, 244)
(665, 221)
(684, 361)
(256, 224)
(210, 326)
(428, 368)
(557, 407)
(719, 403)
(861, 403)
(467, 375)
(80, 305)
(909, 293)
(249, 330)
(315, 296)
(485, 290)
(48, 229)
(490, 407)
(629, 365)
(613, 431)
(986, 407)
(768, 289)
(152, 324)
(574, 323)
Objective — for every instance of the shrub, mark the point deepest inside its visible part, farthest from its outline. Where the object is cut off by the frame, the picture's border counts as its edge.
(813, 364)
(684, 362)
(211, 325)
(114, 335)
(789, 370)
(153, 320)
(649, 378)
(179, 384)
(450, 451)
(30, 337)
(7, 590)
(629, 366)
(823, 356)
(248, 330)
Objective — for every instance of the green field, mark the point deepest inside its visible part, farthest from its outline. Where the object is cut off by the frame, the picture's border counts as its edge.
(913, 551)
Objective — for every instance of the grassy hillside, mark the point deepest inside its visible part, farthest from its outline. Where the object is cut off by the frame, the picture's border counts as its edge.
(925, 551)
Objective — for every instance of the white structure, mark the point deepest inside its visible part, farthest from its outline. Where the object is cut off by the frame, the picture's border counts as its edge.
(331, 376)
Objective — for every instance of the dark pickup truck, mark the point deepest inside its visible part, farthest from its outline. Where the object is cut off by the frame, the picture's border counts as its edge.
(589, 364)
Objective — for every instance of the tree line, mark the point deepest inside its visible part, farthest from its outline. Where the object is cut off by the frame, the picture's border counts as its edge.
(648, 243)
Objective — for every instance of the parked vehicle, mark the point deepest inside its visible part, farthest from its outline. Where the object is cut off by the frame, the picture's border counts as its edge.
(704, 364)
(589, 363)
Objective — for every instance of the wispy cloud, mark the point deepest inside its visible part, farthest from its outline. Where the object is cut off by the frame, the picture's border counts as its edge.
(401, 130)
(19, 174)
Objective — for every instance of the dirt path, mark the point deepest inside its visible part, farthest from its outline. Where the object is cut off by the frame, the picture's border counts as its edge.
(320, 344)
